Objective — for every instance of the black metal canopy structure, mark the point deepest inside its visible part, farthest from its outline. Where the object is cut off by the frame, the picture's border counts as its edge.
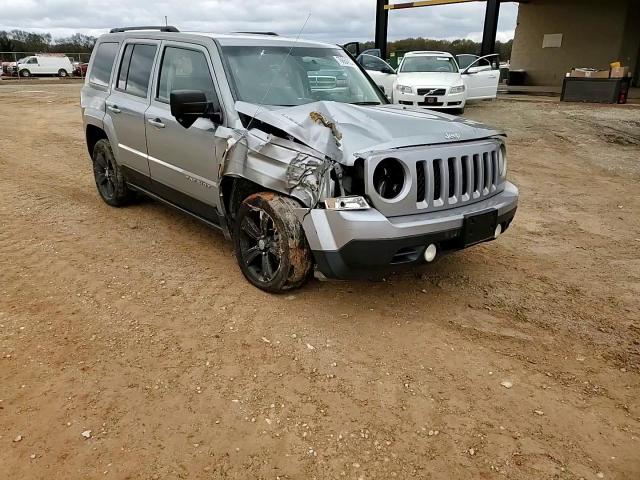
(490, 21)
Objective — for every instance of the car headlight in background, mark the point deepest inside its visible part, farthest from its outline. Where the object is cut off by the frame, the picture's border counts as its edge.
(404, 88)
(351, 202)
(502, 161)
(457, 89)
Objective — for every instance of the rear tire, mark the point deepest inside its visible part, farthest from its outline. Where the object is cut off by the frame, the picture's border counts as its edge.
(270, 244)
(108, 176)
(25, 73)
(62, 73)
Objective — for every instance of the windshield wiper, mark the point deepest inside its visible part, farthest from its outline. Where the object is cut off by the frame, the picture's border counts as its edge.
(365, 103)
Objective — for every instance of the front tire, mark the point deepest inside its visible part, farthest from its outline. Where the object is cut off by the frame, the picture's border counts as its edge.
(270, 245)
(25, 73)
(108, 176)
(62, 73)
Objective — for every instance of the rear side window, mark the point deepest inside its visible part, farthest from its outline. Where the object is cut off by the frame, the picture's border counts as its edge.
(103, 63)
(124, 67)
(184, 69)
(135, 69)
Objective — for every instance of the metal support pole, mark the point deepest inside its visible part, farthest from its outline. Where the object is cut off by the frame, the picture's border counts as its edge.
(490, 27)
(382, 22)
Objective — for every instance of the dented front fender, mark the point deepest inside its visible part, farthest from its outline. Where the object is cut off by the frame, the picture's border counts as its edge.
(275, 163)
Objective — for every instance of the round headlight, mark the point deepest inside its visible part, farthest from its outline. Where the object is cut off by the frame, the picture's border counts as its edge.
(389, 178)
(502, 161)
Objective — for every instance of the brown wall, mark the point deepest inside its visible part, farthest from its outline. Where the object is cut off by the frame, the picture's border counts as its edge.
(595, 33)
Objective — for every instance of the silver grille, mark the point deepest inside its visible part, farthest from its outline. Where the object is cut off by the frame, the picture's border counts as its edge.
(441, 177)
(453, 180)
(322, 82)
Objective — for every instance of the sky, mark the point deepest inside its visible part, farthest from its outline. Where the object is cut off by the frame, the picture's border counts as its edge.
(334, 21)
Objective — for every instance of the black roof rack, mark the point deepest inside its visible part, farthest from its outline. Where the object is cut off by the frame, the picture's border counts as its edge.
(161, 28)
(273, 34)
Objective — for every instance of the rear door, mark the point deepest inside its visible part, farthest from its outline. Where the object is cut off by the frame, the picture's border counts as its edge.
(481, 78)
(127, 104)
(182, 161)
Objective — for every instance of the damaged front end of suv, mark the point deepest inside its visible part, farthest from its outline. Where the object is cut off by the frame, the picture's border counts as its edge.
(378, 187)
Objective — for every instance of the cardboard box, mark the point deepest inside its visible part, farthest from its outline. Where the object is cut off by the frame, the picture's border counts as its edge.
(588, 73)
(619, 72)
(599, 74)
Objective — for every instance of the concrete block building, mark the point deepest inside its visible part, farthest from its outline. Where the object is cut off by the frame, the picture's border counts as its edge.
(552, 36)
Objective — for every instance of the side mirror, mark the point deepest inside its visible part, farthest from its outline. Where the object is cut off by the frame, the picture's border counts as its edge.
(189, 105)
(387, 70)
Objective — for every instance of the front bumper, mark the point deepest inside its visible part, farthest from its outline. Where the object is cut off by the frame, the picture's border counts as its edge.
(449, 100)
(365, 243)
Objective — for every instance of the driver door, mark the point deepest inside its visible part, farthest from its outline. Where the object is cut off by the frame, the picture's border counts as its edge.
(481, 78)
(34, 66)
(182, 161)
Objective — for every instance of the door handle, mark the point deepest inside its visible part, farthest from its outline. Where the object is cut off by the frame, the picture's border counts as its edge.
(156, 123)
(114, 108)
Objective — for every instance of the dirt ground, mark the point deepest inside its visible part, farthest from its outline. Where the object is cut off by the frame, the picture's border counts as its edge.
(136, 324)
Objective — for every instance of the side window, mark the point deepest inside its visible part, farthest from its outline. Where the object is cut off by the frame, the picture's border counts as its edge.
(369, 62)
(184, 69)
(135, 69)
(485, 64)
(124, 67)
(464, 60)
(32, 61)
(103, 63)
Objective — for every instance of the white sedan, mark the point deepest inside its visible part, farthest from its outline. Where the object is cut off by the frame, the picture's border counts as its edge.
(434, 80)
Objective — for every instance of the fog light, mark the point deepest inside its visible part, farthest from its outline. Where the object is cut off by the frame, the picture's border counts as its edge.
(430, 252)
(346, 203)
(498, 231)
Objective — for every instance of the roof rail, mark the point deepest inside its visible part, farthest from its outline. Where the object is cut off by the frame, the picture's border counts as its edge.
(273, 34)
(161, 28)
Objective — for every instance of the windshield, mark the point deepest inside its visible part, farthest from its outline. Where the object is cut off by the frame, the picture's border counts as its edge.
(286, 76)
(429, 64)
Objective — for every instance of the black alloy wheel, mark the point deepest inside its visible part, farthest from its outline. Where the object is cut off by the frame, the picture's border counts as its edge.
(110, 181)
(270, 245)
(105, 175)
(260, 245)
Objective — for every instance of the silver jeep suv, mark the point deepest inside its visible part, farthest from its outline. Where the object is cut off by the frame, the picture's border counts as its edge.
(290, 149)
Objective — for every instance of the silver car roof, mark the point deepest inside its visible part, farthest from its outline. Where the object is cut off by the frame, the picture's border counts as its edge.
(225, 39)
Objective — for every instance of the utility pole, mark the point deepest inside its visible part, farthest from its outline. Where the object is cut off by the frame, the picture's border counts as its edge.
(490, 27)
(382, 23)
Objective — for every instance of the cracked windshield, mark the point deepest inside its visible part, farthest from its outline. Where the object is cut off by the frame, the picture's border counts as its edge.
(285, 76)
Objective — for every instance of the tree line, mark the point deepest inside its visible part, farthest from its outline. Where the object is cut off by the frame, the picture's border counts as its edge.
(455, 47)
(22, 41)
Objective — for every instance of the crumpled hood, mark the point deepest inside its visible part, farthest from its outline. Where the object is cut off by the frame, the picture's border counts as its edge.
(344, 132)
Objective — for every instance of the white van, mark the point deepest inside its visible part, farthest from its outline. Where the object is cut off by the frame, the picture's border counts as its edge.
(45, 65)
